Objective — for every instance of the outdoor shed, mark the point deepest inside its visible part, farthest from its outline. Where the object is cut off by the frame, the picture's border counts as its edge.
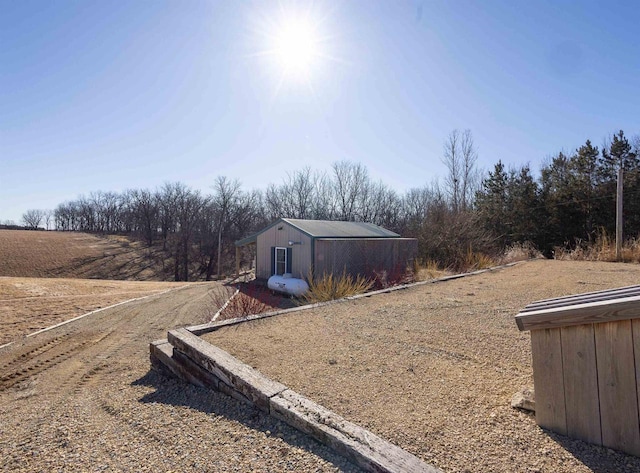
(327, 247)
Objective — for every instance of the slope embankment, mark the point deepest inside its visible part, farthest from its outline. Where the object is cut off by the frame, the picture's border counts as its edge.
(42, 254)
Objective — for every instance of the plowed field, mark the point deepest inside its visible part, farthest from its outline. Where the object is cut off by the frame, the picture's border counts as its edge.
(41, 254)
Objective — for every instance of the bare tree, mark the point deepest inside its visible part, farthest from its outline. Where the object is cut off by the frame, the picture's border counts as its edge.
(453, 161)
(48, 216)
(350, 180)
(323, 205)
(145, 212)
(226, 196)
(189, 205)
(301, 188)
(470, 176)
(32, 218)
(460, 158)
(416, 203)
(166, 197)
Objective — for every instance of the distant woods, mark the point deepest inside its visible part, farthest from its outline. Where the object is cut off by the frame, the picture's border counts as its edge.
(570, 202)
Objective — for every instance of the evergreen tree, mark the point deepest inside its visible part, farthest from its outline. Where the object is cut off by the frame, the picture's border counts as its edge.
(582, 182)
(524, 207)
(492, 204)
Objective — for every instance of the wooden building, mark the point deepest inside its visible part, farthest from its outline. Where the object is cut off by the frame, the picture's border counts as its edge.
(586, 366)
(327, 247)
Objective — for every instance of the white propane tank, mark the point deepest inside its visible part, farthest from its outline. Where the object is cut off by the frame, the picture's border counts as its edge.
(288, 284)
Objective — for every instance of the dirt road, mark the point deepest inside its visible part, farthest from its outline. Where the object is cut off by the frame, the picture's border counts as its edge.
(81, 397)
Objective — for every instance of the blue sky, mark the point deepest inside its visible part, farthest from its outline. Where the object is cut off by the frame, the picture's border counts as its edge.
(98, 95)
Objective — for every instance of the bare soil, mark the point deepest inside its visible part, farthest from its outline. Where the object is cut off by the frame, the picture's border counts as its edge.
(81, 397)
(31, 304)
(433, 368)
(48, 254)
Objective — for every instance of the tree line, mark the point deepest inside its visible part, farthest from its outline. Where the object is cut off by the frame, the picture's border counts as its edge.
(571, 200)
(570, 203)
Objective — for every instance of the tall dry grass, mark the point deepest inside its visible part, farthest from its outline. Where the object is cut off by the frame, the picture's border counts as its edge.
(602, 249)
(429, 269)
(475, 260)
(329, 287)
(520, 252)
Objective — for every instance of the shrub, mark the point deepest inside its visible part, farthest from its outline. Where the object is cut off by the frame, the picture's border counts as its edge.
(429, 270)
(241, 301)
(398, 275)
(329, 287)
(476, 260)
(520, 252)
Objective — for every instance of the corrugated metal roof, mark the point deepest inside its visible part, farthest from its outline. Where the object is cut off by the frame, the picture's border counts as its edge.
(331, 229)
(327, 229)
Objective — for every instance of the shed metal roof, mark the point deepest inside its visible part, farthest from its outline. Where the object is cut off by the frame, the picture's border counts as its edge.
(332, 229)
(327, 229)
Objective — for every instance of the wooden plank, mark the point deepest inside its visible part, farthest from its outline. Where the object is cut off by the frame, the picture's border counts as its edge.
(581, 383)
(158, 352)
(594, 312)
(364, 448)
(587, 294)
(548, 380)
(635, 329)
(583, 299)
(243, 378)
(617, 387)
(194, 373)
(170, 362)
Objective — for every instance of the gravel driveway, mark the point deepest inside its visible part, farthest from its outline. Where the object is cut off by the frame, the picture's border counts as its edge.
(82, 398)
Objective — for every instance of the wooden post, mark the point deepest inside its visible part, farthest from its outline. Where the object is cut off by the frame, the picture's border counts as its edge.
(237, 261)
(619, 216)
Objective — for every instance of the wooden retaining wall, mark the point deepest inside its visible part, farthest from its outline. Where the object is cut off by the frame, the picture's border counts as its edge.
(586, 366)
(189, 357)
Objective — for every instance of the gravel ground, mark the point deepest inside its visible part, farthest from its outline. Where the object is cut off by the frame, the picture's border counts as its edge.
(433, 368)
(82, 398)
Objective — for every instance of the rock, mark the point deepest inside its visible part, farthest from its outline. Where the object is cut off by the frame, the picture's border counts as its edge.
(524, 400)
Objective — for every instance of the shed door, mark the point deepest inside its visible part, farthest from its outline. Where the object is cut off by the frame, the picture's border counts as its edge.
(280, 260)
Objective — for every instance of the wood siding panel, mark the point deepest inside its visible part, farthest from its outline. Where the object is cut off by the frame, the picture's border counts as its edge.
(548, 379)
(301, 253)
(364, 256)
(635, 332)
(581, 383)
(617, 386)
(601, 311)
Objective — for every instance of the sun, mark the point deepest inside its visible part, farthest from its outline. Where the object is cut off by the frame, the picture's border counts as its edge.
(296, 47)
(293, 44)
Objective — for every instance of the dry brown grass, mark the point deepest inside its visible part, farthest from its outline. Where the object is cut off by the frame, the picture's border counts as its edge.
(30, 304)
(520, 252)
(429, 270)
(44, 254)
(329, 287)
(603, 249)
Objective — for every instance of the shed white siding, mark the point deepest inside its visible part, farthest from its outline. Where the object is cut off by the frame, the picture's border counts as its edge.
(279, 236)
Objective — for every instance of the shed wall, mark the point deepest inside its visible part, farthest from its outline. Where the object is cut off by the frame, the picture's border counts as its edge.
(301, 253)
(364, 255)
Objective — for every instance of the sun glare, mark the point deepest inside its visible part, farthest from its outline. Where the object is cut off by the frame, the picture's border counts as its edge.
(293, 44)
(296, 47)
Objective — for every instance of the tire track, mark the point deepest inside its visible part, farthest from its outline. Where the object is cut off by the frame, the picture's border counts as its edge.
(33, 352)
(79, 353)
(35, 365)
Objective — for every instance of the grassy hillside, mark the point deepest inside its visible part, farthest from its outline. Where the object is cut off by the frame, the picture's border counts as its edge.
(42, 254)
